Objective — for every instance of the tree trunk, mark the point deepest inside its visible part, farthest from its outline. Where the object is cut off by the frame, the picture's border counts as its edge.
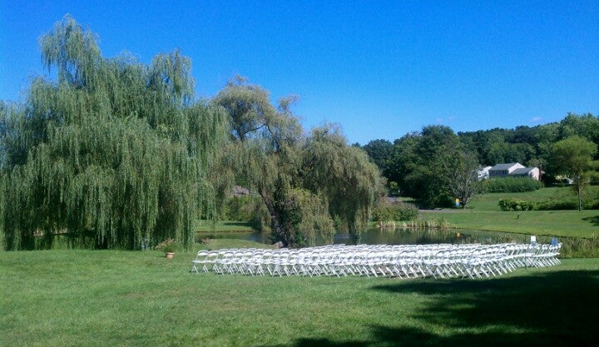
(579, 187)
(281, 232)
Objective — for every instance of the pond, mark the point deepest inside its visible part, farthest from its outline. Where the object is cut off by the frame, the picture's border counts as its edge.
(398, 236)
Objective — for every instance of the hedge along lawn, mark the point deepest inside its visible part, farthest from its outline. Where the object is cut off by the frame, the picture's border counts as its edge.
(100, 298)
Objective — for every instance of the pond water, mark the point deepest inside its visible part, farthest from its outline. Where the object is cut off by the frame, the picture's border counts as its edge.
(397, 236)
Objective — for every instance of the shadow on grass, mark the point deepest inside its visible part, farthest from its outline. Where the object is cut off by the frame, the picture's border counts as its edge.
(592, 220)
(554, 309)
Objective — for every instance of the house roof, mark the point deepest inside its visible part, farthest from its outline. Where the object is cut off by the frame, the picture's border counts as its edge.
(504, 166)
(522, 171)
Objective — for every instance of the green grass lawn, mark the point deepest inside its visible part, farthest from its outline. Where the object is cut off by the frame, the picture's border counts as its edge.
(489, 202)
(554, 223)
(484, 214)
(112, 298)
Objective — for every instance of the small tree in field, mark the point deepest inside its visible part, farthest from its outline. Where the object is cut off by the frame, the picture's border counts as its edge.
(573, 157)
(458, 169)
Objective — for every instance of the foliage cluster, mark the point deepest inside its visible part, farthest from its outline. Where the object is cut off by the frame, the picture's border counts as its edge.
(242, 208)
(395, 212)
(516, 205)
(168, 246)
(431, 166)
(511, 185)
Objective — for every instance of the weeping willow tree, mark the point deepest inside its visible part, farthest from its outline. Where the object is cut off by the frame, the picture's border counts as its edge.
(110, 152)
(305, 181)
(343, 175)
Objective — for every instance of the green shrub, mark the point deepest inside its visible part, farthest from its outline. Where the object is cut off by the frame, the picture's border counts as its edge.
(516, 205)
(570, 203)
(240, 208)
(591, 204)
(564, 203)
(395, 212)
(511, 185)
(561, 204)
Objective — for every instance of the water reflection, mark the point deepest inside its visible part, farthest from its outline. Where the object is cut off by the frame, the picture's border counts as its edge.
(395, 237)
(248, 236)
(428, 236)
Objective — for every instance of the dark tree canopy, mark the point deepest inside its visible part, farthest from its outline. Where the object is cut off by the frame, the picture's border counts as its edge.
(418, 163)
(380, 151)
(110, 153)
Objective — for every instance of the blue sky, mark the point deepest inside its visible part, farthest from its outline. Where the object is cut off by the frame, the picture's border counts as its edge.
(380, 69)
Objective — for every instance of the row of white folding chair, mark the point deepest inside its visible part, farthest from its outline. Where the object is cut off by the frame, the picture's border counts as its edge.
(446, 262)
(486, 261)
(225, 260)
(504, 258)
(442, 260)
(307, 262)
(337, 260)
(542, 255)
(402, 261)
(278, 262)
(204, 261)
(260, 262)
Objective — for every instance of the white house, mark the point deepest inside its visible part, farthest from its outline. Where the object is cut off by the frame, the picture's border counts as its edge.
(513, 170)
(483, 173)
(532, 172)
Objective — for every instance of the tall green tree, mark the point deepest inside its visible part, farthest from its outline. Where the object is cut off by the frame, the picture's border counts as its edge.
(304, 181)
(573, 157)
(380, 151)
(110, 153)
(436, 166)
(401, 163)
(343, 175)
(424, 168)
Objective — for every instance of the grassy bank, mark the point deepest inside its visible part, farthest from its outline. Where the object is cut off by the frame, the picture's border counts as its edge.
(554, 223)
(222, 227)
(484, 214)
(99, 298)
(489, 202)
(577, 230)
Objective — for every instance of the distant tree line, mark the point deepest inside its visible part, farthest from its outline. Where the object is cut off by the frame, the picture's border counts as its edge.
(425, 164)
